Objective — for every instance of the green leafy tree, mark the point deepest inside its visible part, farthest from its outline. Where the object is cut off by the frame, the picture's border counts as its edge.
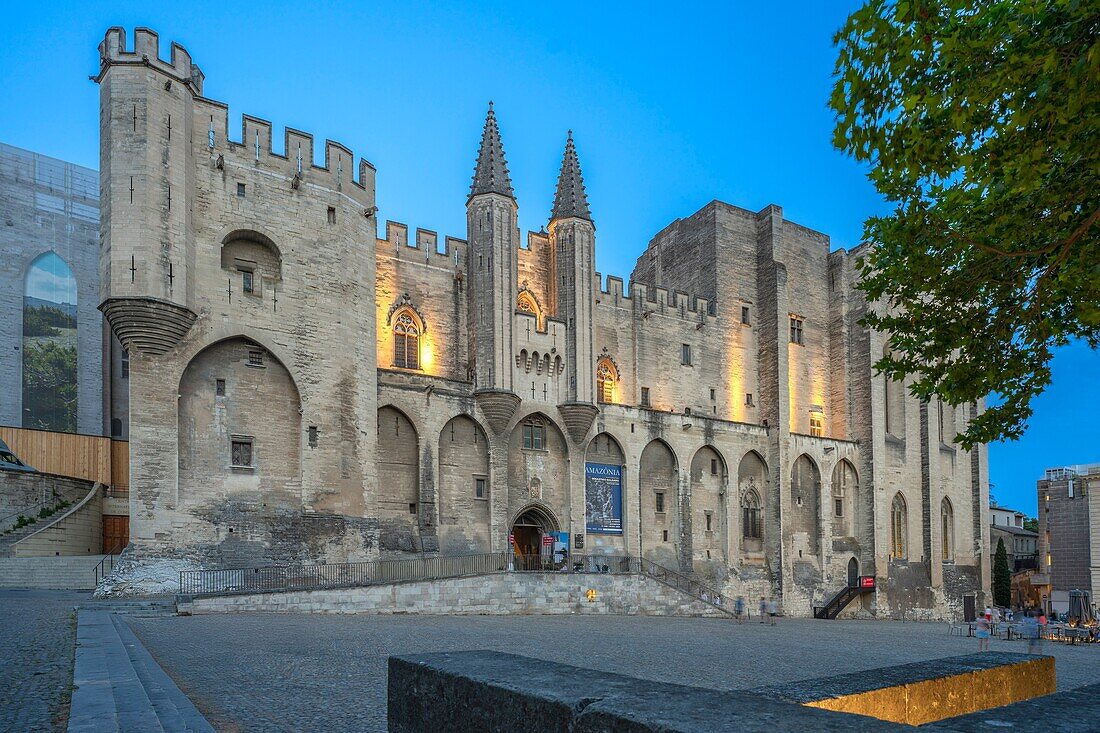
(979, 121)
(1002, 576)
(49, 386)
(1031, 524)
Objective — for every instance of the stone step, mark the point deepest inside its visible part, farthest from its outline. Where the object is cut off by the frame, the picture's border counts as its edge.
(176, 712)
(119, 687)
(72, 572)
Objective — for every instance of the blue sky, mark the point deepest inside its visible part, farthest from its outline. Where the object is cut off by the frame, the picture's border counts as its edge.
(49, 278)
(669, 111)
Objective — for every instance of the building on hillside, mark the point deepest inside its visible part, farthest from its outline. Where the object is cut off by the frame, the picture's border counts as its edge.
(62, 369)
(306, 391)
(1021, 544)
(1069, 534)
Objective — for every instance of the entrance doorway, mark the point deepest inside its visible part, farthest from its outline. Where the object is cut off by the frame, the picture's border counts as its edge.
(853, 573)
(529, 533)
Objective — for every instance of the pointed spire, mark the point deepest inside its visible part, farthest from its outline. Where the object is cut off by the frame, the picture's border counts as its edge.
(570, 199)
(491, 173)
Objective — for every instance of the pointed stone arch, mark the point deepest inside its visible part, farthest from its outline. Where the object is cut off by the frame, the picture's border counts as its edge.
(947, 530)
(899, 528)
(709, 474)
(805, 508)
(464, 488)
(752, 483)
(50, 356)
(845, 498)
(658, 485)
(397, 499)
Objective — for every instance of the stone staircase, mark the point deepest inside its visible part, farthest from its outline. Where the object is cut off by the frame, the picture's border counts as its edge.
(72, 572)
(119, 686)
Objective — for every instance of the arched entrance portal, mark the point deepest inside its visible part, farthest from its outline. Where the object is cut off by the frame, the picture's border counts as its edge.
(531, 526)
(853, 573)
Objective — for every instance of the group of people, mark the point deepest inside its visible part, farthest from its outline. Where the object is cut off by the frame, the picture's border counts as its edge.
(1031, 628)
(769, 610)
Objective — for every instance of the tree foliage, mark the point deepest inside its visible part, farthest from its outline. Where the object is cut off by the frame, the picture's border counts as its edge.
(979, 119)
(1002, 576)
(50, 386)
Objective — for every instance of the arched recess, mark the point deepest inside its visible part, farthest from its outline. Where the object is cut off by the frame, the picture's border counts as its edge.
(239, 427)
(252, 259)
(538, 465)
(604, 492)
(708, 504)
(463, 487)
(899, 528)
(658, 476)
(752, 481)
(805, 508)
(947, 530)
(398, 495)
(845, 486)
(49, 345)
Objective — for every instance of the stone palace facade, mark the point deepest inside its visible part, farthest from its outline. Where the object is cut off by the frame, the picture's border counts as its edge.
(304, 391)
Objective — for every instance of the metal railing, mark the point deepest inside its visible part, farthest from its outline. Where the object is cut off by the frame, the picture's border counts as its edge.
(629, 564)
(281, 578)
(106, 564)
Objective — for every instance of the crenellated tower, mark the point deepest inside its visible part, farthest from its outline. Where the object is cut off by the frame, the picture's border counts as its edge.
(572, 287)
(493, 237)
(146, 120)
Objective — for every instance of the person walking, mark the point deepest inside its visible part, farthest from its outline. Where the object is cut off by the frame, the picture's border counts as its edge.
(1031, 632)
(773, 610)
(763, 610)
(739, 609)
(983, 633)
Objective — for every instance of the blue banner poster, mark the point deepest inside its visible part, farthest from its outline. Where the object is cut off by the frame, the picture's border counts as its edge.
(603, 498)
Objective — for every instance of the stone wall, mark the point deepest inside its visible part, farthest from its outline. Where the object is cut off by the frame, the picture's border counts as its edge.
(23, 492)
(507, 593)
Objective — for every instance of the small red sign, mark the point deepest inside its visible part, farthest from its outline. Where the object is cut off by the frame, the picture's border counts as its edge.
(548, 540)
(867, 581)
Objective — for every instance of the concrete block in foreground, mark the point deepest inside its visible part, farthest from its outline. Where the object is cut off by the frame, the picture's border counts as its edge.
(925, 692)
(491, 691)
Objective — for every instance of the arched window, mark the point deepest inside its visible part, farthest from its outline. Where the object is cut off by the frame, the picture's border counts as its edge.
(49, 345)
(947, 529)
(406, 341)
(750, 520)
(606, 376)
(898, 525)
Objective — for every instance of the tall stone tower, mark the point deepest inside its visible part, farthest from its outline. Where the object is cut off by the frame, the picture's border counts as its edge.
(146, 116)
(573, 268)
(493, 236)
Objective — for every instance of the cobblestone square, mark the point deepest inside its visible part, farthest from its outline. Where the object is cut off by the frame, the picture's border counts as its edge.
(36, 658)
(274, 672)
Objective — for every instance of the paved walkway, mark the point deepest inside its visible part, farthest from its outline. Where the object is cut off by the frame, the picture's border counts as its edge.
(37, 636)
(296, 672)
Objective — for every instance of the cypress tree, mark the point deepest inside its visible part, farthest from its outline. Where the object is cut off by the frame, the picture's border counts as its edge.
(1002, 578)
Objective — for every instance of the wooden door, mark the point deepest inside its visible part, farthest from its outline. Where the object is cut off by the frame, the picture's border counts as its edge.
(116, 533)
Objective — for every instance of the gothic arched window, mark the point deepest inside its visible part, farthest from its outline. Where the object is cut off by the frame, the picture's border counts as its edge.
(526, 303)
(947, 529)
(406, 341)
(606, 376)
(750, 524)
(898, 527)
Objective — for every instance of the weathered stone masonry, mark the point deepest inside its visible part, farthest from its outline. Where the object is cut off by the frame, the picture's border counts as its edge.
(304, 391)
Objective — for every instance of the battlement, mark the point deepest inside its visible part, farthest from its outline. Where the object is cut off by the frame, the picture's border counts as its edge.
(255, 147)
(649, 299)
(146, 50)
(426, 241)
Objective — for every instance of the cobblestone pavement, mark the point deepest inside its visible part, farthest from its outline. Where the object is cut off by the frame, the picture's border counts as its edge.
(37, 638)
(275, 672)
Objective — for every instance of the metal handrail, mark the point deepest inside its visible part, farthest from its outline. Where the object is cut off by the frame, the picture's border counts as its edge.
(282, 578)
(643, 566)
(100, 571)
